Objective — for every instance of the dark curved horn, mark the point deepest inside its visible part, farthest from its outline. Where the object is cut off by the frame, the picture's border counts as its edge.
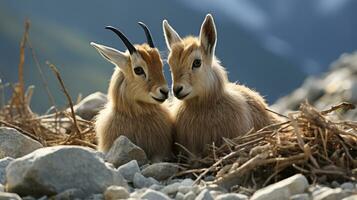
(125, 40)
(148, 34)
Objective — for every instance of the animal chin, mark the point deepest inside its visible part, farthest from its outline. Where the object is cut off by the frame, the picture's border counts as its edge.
(158, 100)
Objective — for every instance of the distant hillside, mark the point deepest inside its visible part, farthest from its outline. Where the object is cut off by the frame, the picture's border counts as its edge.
(61, 32)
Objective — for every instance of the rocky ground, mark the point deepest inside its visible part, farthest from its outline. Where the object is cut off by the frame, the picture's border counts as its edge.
(30, 171)
(74, 172)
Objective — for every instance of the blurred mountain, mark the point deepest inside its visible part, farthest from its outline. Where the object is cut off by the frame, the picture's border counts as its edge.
(337, 85)
(263, 51)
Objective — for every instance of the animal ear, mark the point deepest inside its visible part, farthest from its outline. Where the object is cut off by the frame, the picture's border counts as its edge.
(114, 56)
(208, 35)
(170, 34)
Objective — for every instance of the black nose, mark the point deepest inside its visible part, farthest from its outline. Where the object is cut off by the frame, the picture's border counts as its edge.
(177, 90)
(164, 92)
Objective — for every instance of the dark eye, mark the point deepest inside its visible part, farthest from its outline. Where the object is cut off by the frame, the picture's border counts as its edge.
(196, 63)
(139, 71)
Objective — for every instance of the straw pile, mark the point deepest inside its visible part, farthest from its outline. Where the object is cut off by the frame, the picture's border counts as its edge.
(308, 142)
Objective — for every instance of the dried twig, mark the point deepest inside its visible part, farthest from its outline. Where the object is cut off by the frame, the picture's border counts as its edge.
(54, 69)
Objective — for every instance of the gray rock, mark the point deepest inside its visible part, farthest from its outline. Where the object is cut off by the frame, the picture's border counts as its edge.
(95, 197)
(335, 184)
(141, 181)
(185, 189)
(9, 196)
(14, 144)
(352, 197)
(129, 169)
(1, 188)
(161, 171)
(29, 198)
(3, 164)
(348, 186)
(232, 196)
(90, 105)
(215, 194)
(70, 194)
(116, 192)
(124, 151)
(154, 195)
(190, 196)
(204, 195)
(303, 196)
(171, 189)
(52, 170)
(156, 187)
(179, 196)
(187, 182)
(331, 194)
(137, 193)
(283, 189)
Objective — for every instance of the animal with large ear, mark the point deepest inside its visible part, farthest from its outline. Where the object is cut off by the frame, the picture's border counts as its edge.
(136, 90)
(211, 107)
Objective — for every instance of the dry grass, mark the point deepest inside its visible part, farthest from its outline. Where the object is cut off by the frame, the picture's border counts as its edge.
(308, 142)
(58, 128)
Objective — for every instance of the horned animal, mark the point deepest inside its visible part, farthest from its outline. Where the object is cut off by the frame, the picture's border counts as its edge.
(210, 107)
(136, 90)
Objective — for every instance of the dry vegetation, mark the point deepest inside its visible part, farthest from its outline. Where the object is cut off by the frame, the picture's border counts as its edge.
(58, 128)
(309, 141)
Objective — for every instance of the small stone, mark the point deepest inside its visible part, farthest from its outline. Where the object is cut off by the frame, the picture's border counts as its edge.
(124, 151)
(232, 196)
(150, 194)
(90, 105)
(215, 193)
(70, 194)
(209, 178)
(95, 197)
(156, 187)
(352, 197)
(116, 192)
(187, 182)
(303, 196)
(161, 171)
(15, 144)
(331, 194)
(204, 195)
(185, 189)
(29, 198)
(129, 169)
(335, 184)
(190, 196)
(283, 189)
(3, 164)
(347, 186)
(171, 189)
(9, 196)
(141, 181)
(196, 189)
(179, 196)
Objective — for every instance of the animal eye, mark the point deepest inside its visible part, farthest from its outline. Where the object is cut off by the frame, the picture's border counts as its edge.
(196, 63)
(139, 71)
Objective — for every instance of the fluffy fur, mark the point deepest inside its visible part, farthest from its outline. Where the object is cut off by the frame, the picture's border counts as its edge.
(131, 110)
(213, 107)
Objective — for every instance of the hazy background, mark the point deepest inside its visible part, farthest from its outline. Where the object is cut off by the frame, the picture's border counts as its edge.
(268, 45)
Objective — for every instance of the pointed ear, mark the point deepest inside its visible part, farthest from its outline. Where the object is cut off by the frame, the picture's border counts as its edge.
(170, 34)
(208, 35)
(114, 56)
